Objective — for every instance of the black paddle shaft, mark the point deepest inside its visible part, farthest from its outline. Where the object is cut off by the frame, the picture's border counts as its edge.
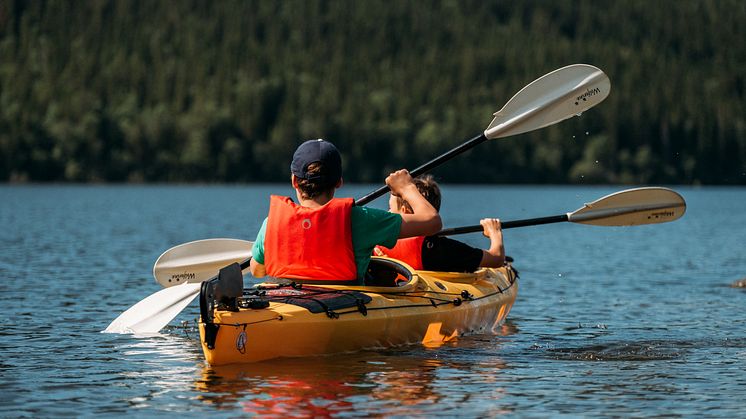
(506, 224)
(427, 166)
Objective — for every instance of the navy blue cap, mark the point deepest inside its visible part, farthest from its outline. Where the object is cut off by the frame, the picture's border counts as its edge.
(317, 151)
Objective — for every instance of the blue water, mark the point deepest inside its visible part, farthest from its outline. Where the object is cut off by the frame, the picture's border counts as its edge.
(635, 321)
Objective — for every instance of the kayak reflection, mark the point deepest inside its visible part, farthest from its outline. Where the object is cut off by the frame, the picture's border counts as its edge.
(326, 386)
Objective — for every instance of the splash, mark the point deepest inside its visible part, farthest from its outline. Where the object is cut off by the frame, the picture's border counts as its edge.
(741, 283)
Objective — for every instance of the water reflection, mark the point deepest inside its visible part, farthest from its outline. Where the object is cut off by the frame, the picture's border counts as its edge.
(411, 380)
(165, 361)
(278, 388)
(405, 383)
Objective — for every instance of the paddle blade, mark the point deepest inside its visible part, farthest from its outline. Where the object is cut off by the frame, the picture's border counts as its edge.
(556, 96)
(199, 260)
(632, 207)
(156, 311)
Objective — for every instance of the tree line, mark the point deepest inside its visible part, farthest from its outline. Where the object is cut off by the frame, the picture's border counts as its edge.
(201, 91)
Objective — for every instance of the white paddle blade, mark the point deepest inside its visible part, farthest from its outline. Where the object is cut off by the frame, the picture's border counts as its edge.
(556, 96)
(632, 207)
(199, 260)
(154, 312)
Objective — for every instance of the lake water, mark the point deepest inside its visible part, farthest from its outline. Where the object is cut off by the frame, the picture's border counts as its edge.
(635, 321)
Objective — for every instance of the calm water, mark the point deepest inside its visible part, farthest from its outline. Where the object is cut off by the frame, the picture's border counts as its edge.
(637, 321)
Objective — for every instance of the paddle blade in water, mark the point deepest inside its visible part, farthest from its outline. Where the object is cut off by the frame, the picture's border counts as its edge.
(556, 96)
(199, 260)
(156, 311)
(632, 207)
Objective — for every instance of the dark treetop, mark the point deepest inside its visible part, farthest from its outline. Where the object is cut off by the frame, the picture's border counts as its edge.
(224, 91)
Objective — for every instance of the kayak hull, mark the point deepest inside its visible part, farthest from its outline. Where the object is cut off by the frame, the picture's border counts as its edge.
(431, 308)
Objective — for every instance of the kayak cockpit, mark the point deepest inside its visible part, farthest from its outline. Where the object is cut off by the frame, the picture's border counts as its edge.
(385, 272)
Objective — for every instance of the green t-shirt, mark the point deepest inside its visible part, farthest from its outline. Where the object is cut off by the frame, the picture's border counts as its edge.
(370, 227)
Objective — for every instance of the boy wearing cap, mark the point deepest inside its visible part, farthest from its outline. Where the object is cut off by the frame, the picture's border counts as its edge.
(323, 238)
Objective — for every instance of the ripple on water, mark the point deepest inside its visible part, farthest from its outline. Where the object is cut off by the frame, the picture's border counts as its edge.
(641, 351)
(651, 350)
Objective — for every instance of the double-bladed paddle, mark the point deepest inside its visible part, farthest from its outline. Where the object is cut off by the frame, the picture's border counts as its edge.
(193, 262)
(554, 97)
(631, 207)
(181, 270)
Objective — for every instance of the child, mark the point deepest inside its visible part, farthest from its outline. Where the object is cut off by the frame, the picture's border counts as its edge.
(435, 253)
(324, 239)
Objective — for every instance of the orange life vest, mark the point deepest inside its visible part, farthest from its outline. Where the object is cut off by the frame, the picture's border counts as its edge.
(310, 243)
(407, 250)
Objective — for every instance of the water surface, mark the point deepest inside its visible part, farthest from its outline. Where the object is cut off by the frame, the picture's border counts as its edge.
(608, 322)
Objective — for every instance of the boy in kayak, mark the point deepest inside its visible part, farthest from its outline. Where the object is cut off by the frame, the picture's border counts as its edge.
(323, 238)
(435, 253)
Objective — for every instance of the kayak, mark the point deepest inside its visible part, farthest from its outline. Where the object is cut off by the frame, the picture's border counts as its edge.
(396, 306)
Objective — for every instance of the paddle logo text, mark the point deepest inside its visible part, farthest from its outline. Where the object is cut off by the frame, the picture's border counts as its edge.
(186, 276)
(587, 94)
(661, 214)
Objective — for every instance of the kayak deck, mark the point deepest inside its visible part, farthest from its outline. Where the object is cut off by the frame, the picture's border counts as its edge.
(400, 307)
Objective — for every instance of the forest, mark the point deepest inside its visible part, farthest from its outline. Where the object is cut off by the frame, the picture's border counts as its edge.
(223, 91)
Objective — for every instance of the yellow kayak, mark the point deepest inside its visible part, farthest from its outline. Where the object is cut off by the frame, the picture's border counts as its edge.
(397, 306)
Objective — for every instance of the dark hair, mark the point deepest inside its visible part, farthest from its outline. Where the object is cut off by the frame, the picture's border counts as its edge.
(429, 189)
(311, 188)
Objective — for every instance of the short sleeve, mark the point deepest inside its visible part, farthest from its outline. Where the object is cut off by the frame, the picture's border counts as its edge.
(371, 227)
(257, 252)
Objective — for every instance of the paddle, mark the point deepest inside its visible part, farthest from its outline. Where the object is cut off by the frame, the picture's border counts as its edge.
(185, 266)
(651, 205)
(554, 97)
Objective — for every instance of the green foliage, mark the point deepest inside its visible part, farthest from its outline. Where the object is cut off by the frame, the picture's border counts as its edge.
(192, 91)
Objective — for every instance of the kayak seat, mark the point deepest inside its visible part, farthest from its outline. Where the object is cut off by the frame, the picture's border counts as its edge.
(383, 272)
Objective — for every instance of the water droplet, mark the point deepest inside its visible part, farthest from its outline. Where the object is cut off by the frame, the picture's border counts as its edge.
(596, 161)
(586, 133)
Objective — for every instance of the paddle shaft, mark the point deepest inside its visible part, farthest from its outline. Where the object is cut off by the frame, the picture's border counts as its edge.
(427, 166)
(506, 224)
(547, 100)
